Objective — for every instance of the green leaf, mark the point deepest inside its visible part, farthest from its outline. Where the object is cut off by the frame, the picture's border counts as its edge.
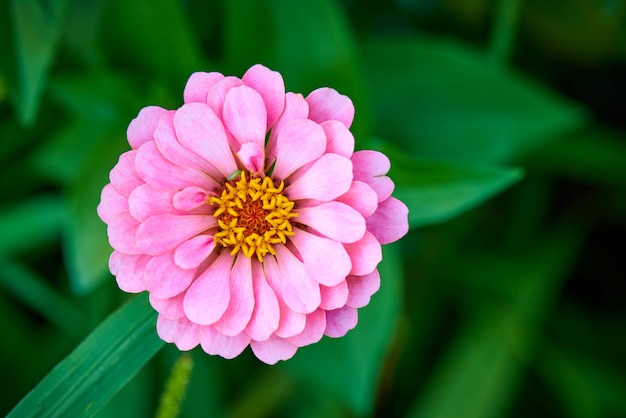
(309, 42)
(437, 98)
(351, 366)
(30, 223)
(438, 190)
(37, 26)
(99, 367)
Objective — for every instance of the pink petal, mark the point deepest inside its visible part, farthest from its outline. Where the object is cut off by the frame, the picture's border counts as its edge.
(334, 297)
(362, 288)
(128, 271)
(171, 308)
(295, 108)
(360, 197)
(111, 203)
(383, 186)
(327, 104)
(325, 260)
(365, 254)
(313, 330)
(329, 177)
(368, 163)
(181, 332)
(157, 171)
(271, 87)
(122, 230)
(245, 115)
(141, 129)
(299, 142)
(334, 220)
(146, 201)
(201, 131)
(339, 138)
(198, 86)
(273, 349)
(340, 321)
(290, 323)
(164, 279)
(124, 177)
(299, 290)
(162, 233)
(228, 347)
(169, 146)
(217, 93)
(241, 304)
(194, 251)
(390, 222)
(252, 157)
(190, 198)
(265, 317)
(208, 297)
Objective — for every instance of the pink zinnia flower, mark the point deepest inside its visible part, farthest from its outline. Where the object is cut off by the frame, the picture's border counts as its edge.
(248, 217)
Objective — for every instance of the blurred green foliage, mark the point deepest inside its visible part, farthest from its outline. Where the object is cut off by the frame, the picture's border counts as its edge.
(491, 306)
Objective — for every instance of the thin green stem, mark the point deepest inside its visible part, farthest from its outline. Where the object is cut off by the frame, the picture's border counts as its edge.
(503, 32)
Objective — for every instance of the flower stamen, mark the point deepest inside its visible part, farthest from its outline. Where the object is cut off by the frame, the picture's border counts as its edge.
(252, 216)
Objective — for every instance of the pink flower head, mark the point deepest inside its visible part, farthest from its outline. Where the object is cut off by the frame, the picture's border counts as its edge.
(248, 217)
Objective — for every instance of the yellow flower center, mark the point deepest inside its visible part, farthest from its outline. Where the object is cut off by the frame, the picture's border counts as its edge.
(252, 215)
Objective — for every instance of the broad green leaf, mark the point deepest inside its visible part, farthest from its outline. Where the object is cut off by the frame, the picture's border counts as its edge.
(436, 190)
(351, 366)
(482, 369)
(99, 367)
(30, 223)
(438, 98)
(37, 26)
(309, 42)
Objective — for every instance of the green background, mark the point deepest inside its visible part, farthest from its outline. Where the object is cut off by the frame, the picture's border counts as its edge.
(505, 124)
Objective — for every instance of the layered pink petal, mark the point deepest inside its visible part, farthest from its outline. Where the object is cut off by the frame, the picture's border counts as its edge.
(326, 260)
(339, 138)
(290, 323)
(252, 156)
(365, 254)
(383, 186)
(111, 203)
(164, 279)
(217, 93)
(245, 115)
(368, 163)
(295, 108)
(198, 86)
(390, 222)
(194, 251)
(361, 197)
(334, 220)
(208, 297)
(340, 321)
(362, 288)
(327, 178)
(141, 129)
(200, 130)
(146, 201)
(299, 290)
(334, 297)
(181, 332)
(271, 87)
(190, 198)
(121, 230)
(327, 104)
(266, 314)
(215, 343)
(273, 349)
(241, 304)
(299, 142)
(313, 330)
(157, 171)
(128, 271)
(170, 147)
(124, 177)
(162, 233)
(171, 308)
